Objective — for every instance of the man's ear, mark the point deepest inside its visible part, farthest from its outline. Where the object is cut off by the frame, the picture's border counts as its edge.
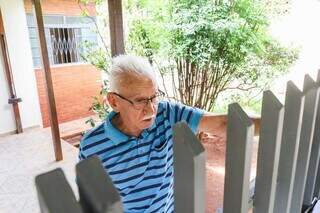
(112, 102)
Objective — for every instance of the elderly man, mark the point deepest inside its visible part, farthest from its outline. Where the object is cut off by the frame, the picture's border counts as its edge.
(135, 143)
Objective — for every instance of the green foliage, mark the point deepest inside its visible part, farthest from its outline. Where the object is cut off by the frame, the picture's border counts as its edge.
(100, 106)
(96, 56)
(148, 35)
(101, 59)
(214, 46)
(141, 39)
(87, 2)
(99, 56)
(224, 32)
(207, 47)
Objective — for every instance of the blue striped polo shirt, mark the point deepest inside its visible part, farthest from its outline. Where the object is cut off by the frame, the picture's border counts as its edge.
(141, 168)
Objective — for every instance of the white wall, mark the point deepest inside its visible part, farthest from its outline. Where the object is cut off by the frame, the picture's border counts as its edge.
(15, 25)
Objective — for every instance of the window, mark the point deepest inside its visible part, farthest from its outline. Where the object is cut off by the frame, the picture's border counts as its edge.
(64, 35)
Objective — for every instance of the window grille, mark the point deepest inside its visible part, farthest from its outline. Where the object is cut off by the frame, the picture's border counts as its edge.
(64, 36)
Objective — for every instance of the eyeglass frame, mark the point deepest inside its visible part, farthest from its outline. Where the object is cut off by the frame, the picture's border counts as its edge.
(159, 94)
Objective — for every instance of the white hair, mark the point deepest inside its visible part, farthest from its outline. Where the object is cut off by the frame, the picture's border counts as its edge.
(128, 64)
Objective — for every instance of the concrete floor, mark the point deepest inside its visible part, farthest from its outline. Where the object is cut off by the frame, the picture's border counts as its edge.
(26, 155)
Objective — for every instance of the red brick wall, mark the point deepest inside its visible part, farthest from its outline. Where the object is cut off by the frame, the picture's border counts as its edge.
(74, 86)
(59, 7)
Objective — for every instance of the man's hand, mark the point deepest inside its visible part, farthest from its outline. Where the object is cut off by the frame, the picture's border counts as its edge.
(217, 124)
(207, 137)
(213, 125)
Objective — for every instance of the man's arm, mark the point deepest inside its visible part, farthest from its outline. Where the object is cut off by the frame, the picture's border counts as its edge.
(216, 124)
(212, 123)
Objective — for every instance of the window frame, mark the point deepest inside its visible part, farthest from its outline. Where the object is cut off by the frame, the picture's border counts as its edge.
(31, 24)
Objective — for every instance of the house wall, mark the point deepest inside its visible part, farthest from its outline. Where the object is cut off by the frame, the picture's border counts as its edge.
(55, 7)
(15, 25)
(75, 85)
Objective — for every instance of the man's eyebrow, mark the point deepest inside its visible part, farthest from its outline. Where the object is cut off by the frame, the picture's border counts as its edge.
(143, 97)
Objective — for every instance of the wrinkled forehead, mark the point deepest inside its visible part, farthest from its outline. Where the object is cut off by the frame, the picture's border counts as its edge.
(132, 83)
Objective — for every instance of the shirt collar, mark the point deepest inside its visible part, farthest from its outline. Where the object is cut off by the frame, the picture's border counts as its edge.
(112, 132)
(117, 136)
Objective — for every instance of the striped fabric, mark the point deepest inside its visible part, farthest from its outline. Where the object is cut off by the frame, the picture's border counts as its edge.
(141, 168)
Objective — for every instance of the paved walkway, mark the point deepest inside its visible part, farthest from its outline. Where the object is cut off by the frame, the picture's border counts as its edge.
(24, 156)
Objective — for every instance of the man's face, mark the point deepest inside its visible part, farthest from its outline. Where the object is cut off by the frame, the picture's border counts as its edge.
(136, 89)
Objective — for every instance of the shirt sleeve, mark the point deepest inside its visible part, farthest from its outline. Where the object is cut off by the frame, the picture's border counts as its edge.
(81, 154)
(191, 115)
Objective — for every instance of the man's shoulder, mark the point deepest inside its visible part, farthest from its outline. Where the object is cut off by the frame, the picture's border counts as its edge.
(90, 139)
(165, 105)
(163, 108)
(170, 106)
(171, 103)
(98, 130)
(166, 109)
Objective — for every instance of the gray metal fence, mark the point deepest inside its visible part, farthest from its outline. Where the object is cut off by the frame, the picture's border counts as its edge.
(96, 191)
(98, 194)
(287, 178)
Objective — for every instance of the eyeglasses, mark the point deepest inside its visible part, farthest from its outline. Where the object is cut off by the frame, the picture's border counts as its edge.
(140, 104)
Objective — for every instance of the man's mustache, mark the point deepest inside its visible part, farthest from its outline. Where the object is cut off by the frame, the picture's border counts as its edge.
(148, 117)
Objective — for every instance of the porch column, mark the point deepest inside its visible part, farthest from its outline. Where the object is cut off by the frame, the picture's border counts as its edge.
(116, 27)
(50, 93)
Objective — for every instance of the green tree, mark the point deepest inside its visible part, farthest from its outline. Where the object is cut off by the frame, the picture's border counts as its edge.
(212, 46)
(97, 55)
(205, 47)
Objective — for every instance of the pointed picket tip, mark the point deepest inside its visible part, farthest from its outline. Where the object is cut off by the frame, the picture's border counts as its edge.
(182, 132)
(55, 194)
(293, 89)
(235, 110)
(308, 83)
(270, 98)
